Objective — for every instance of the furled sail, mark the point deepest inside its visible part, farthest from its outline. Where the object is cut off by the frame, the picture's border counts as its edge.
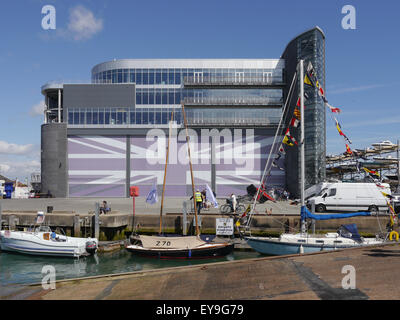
(306, 214)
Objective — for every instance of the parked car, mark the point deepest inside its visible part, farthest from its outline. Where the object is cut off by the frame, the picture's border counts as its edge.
(344, 196)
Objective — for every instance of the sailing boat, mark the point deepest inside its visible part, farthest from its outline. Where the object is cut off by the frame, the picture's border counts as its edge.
(347, 235)
(181, 247)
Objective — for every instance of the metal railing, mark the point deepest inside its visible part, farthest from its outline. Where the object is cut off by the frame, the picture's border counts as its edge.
(233, 121)
(215, 101)
(233, 80)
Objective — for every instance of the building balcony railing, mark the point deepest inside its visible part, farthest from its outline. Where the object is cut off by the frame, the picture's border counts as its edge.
(230, 101)
(233, 81)
(233, 121)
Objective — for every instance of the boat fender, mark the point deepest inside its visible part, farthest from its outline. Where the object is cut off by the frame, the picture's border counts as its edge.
(301, 250)
(394, 233)
(91, 247)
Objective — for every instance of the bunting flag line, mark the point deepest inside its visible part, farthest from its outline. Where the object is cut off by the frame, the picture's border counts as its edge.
(296, 113)
(274, 164)
(339, 129)
(311, 80)
(333, 109)
(371, 172)
(294, 122)
(305, 99)
(308, 81)
(289, 139)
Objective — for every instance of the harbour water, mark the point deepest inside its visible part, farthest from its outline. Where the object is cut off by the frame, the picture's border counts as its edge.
(26, 269)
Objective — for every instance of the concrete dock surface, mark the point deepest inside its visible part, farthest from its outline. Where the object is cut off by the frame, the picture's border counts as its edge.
(317, 276)
(124, 205)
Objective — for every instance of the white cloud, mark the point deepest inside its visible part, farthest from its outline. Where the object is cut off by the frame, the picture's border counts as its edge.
(11, 148)
(4, 168)
(19, 169)
(37, 109)
(83, 24)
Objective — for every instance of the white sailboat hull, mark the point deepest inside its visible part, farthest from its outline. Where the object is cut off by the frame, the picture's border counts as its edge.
(294, 244)
(39, 243)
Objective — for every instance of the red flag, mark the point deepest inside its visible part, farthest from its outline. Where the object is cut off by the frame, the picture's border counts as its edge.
(348, 150)
(294, 122)
(333, 109)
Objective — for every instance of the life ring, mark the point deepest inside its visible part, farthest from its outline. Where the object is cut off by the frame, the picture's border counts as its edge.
(396, 234)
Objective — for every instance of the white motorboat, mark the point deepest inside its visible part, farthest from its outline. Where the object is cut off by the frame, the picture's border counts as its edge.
(384, 145)
(388, 159)
(42, 241)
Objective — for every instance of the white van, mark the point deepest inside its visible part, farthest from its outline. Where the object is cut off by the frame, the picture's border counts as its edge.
(344, 196)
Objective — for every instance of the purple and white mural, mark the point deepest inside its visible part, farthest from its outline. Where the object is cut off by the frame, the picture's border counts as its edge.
(96, 166)
(236, 158)
(241, 162)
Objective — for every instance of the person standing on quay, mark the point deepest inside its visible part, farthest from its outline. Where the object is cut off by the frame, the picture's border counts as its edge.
(199, 200)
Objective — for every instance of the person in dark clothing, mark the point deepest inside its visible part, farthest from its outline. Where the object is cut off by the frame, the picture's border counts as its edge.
(104, 208)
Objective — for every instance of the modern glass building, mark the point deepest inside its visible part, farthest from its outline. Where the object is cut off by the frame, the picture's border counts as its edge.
(100, 138)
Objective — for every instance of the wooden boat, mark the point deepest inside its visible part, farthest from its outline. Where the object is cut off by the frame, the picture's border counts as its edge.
(185, 247)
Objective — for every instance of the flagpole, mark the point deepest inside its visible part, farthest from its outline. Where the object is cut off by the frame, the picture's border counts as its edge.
(302, 157)
(165, 173)
(191, 169)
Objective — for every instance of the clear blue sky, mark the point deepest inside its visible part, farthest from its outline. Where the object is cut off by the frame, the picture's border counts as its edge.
(362, 65)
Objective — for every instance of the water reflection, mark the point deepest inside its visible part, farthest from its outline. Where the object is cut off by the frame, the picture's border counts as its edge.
(23, 269)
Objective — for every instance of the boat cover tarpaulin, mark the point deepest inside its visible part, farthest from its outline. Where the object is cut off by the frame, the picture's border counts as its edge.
(306, 214)
(189, 242)
(350, 231)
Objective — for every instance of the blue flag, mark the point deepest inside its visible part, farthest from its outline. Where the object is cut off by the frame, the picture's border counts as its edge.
(210, 196)
(152, 197)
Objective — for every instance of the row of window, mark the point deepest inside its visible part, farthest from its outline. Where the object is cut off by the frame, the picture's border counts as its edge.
(174, 96)
(175, 76)
(124, 116)
(121, 116)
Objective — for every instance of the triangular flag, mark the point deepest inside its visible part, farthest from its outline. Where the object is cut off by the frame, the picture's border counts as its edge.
(307, 81)
(152, 196)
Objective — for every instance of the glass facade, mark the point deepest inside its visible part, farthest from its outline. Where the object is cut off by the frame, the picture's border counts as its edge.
(122, 116)
(311, 48)
(174, 96)
(233, 96)
(179, 76)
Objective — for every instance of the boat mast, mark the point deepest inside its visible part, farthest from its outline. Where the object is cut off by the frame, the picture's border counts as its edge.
(165, 173)
(302, 161)
(267, 166)
(191, 169)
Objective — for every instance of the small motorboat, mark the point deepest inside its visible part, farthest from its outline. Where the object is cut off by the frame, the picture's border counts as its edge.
(43, 241)
(384, 145)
